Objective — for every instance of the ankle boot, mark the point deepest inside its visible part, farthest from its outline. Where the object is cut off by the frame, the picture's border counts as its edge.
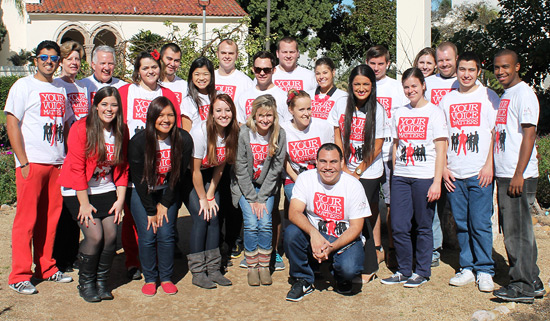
(252, 263)
(197, 267)
(264, 257)
(87, 277)
(103, 271)
(213, 260)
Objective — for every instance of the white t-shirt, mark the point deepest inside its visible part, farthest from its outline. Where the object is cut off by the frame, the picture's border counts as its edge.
(300, 78)
(330, 207)
(178, 87)
(321, 105)
(200, 149)
(137, 105)
(336, 118)
(470, 120)
(437, 87)
(92, 85)
(189, 109)
(416, 129)
(163, 164)
(42, 110)
(102, 179)
(389, 93)
(302, 146)
(77, 96)
(260, 149)
(234, 85)
(518, 105)
(244, 104)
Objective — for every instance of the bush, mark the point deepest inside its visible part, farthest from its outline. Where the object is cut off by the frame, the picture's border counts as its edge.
(543, 187)
(5, 85)
(7, 178)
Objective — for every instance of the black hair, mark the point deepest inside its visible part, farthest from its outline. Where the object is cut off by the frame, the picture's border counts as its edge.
(48, 44)
(329, 147)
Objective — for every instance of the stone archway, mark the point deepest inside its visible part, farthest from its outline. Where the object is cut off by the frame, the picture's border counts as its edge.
(105, 35)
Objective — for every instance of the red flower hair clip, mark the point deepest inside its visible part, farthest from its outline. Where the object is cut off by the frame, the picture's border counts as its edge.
(291, 94)
(155, 54)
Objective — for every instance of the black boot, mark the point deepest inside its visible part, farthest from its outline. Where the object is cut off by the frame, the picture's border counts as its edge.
(87, 276)
(103, 271)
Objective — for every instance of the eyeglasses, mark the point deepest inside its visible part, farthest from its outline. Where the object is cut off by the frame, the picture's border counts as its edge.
(54, 58)
(258, 70)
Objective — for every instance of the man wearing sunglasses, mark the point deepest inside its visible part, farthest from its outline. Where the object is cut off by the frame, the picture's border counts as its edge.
(264, 62)
(103, 65)
(37, 102)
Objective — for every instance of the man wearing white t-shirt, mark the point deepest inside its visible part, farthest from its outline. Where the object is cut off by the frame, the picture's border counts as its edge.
(170, 57)
(335, 205)
(263, 68)
(228, 79)
(34, 103)
(516, 171)
(103, 65)
(389, 93)
(289, 75)
(468, 176)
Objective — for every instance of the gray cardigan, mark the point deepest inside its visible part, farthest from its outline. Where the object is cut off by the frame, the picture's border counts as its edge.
(241, 182)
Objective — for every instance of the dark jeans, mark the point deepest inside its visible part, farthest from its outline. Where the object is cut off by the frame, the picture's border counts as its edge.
(67, 240)
(519, 238)
(155, 246)
(347, 264)
(410, 202)
(230, 218)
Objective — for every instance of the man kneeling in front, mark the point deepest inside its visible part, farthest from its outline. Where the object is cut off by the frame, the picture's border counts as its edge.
(327, 211)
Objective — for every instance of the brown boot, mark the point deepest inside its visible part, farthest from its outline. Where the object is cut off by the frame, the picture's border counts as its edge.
(265, 273)
(252, 263)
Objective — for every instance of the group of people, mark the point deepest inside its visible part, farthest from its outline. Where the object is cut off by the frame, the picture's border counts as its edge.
(224, 145)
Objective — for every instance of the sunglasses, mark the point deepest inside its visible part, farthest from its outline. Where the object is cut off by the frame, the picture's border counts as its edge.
(54, 58)
(258, 70)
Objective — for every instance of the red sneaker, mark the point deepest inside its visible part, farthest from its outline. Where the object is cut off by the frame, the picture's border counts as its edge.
(149, 289)
(169, 288)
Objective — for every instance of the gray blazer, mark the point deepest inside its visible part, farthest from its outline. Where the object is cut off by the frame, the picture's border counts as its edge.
(241, 182)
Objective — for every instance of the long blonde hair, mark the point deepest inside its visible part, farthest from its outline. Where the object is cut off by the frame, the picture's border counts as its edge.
(269, 103)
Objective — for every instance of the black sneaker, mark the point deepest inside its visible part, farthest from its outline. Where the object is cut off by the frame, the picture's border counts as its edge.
(236, 251)
(415, 281)
(395, 279)
(299, 289)
(510, 293)
(539, 289)
(344, 287)
(133, 273)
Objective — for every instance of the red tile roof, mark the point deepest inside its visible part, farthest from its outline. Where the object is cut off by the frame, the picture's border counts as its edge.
(223, 8)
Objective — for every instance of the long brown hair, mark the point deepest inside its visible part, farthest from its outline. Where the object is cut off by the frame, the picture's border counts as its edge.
(268, 102)
(230, 133)
(176, 145)
(95, 140)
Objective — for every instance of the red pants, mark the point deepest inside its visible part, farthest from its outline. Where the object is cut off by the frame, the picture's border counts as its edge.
(39, 205)
(129, 237)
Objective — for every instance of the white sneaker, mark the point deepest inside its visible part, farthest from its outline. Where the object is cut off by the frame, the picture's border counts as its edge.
(485, 282)
(463, 277)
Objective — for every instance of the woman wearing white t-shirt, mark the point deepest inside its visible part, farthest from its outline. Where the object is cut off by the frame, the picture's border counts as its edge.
(358, 122)
(260, 158)
(215, 144)
(158, 156)
(201, 90)
(419, 133)
(94, 177)
(304, 136)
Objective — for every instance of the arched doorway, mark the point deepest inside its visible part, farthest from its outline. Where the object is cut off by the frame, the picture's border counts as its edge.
(74, 35)
(105, 37)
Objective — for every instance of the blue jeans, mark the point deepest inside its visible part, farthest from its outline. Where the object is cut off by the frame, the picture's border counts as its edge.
(288, 191)
(153, 247)
(472, 207)
(347, 264)
(412, 203)
(257, 232)
(519, 238)
(205, 235)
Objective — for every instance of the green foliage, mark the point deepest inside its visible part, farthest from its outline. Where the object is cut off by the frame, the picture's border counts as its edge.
(543, 186)
(5, 85)
(22, 58)
(144, 40)
(7, 178)
(85, 70)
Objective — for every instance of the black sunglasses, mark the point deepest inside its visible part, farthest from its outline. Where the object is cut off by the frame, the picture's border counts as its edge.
(258, 70)
(44, 57)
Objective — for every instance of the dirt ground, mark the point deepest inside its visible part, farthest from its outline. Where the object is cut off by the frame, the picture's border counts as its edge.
(435, 300)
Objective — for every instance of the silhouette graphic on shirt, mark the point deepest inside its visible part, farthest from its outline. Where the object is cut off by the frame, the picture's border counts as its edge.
(138, 129)
(412, 154)
(500, 141)
(465, 142)
(53, 133)
(332, 227)
(356, 153)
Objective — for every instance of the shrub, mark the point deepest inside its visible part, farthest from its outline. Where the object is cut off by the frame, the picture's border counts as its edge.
(7, 178)
(5, 85)
(543, 187)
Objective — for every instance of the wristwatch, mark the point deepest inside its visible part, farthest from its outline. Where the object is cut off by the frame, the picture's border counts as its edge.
(358, 171)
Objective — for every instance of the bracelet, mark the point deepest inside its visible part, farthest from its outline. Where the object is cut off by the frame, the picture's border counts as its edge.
(211, 199)
(24, 165)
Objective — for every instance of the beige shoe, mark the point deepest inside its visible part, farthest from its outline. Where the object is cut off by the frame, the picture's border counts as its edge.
(265, 275)
(253, 276)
